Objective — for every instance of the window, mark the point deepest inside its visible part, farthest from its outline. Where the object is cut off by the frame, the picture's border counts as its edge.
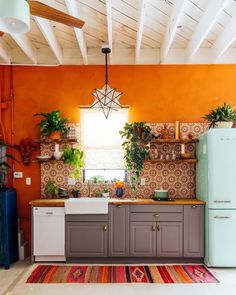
(102, 143)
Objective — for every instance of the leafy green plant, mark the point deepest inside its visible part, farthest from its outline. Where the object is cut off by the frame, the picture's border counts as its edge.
(225, 113)
(51, 189)
(52, 122)
(105, 190)
(74, 157)
(137, 135)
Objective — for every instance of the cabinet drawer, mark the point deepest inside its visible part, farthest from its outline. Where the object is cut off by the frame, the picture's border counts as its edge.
(87, 217)
(156, 208)
(156, 216)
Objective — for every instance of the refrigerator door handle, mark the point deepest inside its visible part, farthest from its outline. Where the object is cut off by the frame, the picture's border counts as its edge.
(221, 217)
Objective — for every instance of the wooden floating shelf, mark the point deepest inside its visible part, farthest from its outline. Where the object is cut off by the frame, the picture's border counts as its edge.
(172, 140)
(50, 141)
(190, 161)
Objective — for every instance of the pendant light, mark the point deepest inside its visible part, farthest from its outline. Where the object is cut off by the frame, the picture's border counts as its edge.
(106, 98)
(14, 16)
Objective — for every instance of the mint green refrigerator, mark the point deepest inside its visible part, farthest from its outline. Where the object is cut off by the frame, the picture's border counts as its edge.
(216, 184)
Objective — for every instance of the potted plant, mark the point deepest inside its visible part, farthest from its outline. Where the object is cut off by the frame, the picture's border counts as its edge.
(137, 135)
(221, 117)
(105, 193)
(53, 125)
(75, 157)
(51, 189)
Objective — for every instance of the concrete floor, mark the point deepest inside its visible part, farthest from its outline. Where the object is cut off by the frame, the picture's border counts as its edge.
(12, 282)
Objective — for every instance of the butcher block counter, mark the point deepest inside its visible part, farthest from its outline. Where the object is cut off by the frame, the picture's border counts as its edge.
(116, 201)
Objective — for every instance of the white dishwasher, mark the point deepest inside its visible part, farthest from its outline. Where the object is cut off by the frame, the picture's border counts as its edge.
(49, 233)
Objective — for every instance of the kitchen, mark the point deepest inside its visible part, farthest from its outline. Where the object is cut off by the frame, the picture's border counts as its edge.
(160, 205)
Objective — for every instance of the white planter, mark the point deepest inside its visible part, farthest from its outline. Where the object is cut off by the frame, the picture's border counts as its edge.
(57, 155)
(105, 195)
(222, 124)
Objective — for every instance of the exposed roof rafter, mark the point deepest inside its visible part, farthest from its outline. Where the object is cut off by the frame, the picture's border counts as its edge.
(72, 6)
(27, 46)
(176, 14)
(5, 51)
(141, 20)
(109, 25)
(207, 21)
(48, 32)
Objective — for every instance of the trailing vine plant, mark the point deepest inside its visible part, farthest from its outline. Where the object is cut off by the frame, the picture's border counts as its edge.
(137, 135)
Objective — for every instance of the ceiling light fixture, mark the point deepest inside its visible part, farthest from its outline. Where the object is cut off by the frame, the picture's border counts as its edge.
(106, 98)
(14, 16)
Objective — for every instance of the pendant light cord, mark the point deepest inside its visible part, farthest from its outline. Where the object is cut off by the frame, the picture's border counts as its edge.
(106, 76)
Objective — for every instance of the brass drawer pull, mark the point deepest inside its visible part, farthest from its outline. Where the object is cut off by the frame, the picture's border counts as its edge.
(158, 228)
(194, 206)
(156, 215)
(105, 228)
(153, 228)
(118, 206)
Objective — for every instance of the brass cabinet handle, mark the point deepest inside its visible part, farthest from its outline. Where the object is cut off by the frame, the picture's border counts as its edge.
(156, 215)
(158, 228)
(105, 228)
(153, 228)
(118, 206)
(194, 206)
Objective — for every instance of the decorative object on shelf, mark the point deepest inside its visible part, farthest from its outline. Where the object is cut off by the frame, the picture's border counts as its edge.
(105, 193)
(184, 135)
(51, 189)
(186, 155)
(137, 136)
(221, 117)
(161, 195)
(57, 154)
(73, 156)
(119, 186)
(75, 193)
(62, 192)
(26, 147)
(106, 98)
(71, 133)
(165, 132)
(53, 126)
(176, 129)
(182, 148)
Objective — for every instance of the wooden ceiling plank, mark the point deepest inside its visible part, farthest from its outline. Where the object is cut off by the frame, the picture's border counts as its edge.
(214, 8)
(141, 20)
(74, 11)
(109, 26)
(27, 46)
(225, 40)
(5, 51)
(48, 32)
(172, 27)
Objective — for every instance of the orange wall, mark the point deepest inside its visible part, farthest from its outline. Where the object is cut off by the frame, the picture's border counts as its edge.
(155, 94)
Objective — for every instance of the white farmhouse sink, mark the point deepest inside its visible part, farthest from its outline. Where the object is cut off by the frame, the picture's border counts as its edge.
(86, 206)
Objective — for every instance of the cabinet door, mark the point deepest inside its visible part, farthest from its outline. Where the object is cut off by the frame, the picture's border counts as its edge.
(170, 239)
(86, 239)
(143, 239)
(118, 230)
(194, 230)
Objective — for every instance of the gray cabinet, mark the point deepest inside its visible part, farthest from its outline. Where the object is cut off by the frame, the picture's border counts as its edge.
(86, 238)
(170, 239)
(194, 231)
(143, 239)
(119, 230)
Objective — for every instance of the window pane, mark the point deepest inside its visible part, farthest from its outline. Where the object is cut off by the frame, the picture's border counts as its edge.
(107, 175)
(104, 159)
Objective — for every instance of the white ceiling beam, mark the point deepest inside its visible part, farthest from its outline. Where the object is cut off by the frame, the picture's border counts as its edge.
(109, 26)
(5, 51)
(175, 17)
(73, 9)
(207, 21)
(47, 30)
(141, 20)
(27, 46)
(226, 38)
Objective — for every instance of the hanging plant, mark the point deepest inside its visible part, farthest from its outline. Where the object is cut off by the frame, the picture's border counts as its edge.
(137, 135)
(74, 157)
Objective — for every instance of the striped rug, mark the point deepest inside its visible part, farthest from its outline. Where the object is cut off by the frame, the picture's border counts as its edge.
(168, 274)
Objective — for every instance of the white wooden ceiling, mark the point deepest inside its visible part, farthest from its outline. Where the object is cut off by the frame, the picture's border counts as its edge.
(138, 31)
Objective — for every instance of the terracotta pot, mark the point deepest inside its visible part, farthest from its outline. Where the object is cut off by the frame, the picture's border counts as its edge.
(55, 135)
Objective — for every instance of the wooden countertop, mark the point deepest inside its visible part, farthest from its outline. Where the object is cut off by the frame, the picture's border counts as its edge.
(61, 202)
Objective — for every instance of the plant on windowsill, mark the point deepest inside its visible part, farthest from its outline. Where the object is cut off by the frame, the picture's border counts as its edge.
(137, 135)
(105, 193)
(53, 125)
(51, 189)
(75, 158)
(221, 117)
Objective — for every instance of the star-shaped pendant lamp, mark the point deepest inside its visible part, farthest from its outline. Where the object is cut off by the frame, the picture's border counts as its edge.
(106, 98)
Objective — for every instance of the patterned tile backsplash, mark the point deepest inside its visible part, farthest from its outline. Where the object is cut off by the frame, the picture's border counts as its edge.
(178, 178)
